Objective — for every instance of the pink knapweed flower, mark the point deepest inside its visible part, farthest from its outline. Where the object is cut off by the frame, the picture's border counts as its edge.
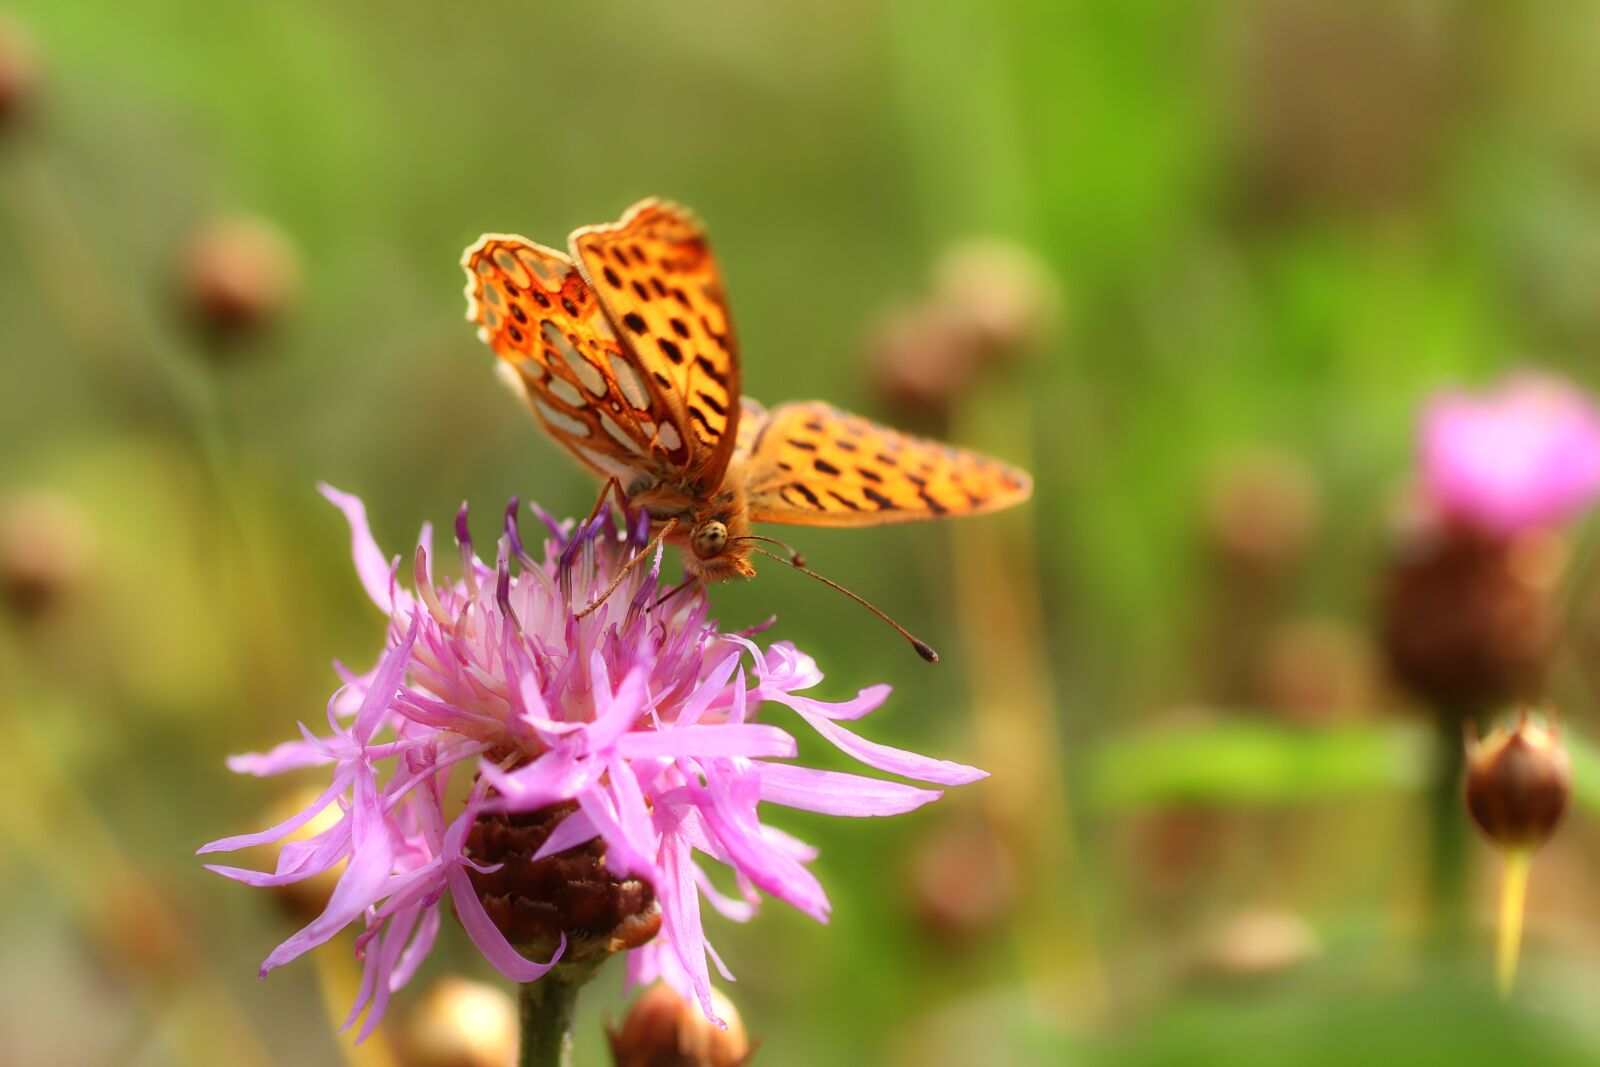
(1525, 454)
(641, 717)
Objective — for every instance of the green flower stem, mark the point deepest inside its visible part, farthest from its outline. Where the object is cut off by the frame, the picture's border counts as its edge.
(1448, 819)
(546, 1009)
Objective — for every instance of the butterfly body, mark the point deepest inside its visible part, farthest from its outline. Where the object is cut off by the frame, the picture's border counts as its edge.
(708, 532)
(624, 351)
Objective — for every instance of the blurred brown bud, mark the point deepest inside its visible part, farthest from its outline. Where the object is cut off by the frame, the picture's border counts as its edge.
(305, 900)
(923, 358)
(662, 1029)
(1314, 670)
(1343, 104)
(963, 880)
(1519, 781)
(1256, 944)
(535, 902)
(136, 930)
(1467, 618)
(19, 70)
(1007, 294)
(460, 1024)
(238, 276)
(1262, 507)
(44, 551)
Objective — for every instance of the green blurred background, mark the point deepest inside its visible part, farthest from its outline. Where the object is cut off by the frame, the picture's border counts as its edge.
(1244, 240)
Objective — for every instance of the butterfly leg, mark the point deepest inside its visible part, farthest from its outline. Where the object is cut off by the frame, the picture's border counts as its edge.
(611, 486)
(643, 554)
(675, 590)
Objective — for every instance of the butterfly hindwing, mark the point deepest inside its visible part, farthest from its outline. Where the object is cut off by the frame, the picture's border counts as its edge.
(658, 280)
(811, 464)
(559, 351)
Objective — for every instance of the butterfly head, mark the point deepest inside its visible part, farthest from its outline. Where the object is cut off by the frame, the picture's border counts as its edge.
(709, 539)
(718, 547)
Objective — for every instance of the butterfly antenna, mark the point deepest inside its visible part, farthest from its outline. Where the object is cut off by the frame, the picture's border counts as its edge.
(795, 558)
(924, 649)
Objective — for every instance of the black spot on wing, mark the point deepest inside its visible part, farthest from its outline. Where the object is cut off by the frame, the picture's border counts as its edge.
(801, 491)
(846, 501)
(883, 502)
(711, 370)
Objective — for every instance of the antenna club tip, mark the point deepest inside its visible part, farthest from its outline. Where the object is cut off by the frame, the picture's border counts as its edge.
(925, 650)
(798, 560)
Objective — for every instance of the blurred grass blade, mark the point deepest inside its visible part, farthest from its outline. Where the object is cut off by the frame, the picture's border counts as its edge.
(1239, 762)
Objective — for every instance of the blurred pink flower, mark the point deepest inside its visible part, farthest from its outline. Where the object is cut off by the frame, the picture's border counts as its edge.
(1525, 454)
(643, 715)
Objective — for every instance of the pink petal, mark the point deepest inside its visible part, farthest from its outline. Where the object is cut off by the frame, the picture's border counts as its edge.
(372, 566)
(835, 793)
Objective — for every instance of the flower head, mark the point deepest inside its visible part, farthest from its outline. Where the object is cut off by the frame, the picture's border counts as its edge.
(1524, 455)
(632, 734)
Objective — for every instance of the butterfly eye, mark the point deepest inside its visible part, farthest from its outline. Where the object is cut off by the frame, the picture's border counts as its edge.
(709, 539)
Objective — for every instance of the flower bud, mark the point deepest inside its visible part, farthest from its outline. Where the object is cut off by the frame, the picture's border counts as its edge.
(535, 902)
(963, 881)
(1313, 670)
(1467, 619)
(923, 358)
(305, 900)
(1261, 509)
(238, 276)
(1342, 107)
(44, 550)
(1519, 781)
(460, 1024)
(19, 71)
(662, 1029)
(1004, 291)
(1257, 944)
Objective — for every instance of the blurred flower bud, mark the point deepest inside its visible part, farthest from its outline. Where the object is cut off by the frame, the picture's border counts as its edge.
(238, 276)
(923, 358)
(460, 1024)
(44, 551)
(305, 900)
(1007, 294)
(535, 902)
(1314, 670)
(1467, 619)
(1255, 944)
(136, 929)
(1518, 783)
(963, 880)
(662, 1029)
(1343, 104)
(1262, 507)
(19, 70)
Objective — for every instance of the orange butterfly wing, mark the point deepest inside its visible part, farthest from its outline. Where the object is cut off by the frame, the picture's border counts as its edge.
(560, 353)
(655, 274)
(810, 464)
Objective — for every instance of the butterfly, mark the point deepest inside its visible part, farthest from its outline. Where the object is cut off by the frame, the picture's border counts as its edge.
(624, 350)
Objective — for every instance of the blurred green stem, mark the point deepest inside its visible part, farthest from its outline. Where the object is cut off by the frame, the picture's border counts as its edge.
(546, 1008)
(1447, 888)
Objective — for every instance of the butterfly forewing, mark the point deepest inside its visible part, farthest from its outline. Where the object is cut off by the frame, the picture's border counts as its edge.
(811, 464)
(660, 285)
(535, 310)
